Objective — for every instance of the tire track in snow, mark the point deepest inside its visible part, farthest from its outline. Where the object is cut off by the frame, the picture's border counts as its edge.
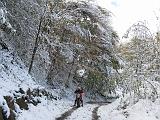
(88, 112)
(66, 114)
(83, 113)
(94, 113)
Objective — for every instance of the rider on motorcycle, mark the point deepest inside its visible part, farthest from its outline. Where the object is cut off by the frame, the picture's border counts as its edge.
(79, 91)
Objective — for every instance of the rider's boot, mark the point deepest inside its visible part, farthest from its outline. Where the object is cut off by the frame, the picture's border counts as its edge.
(82, 102)
(75, 102)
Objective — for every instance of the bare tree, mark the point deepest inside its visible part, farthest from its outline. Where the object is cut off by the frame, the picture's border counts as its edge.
(37, 36)
(138, 55)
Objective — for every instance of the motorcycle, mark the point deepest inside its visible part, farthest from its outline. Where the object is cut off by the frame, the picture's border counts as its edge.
(78, 100)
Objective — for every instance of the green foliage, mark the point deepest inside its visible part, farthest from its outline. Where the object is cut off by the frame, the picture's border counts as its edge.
(94, 80)
(115, 63)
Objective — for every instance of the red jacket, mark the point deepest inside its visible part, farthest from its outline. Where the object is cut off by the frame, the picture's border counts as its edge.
(78, 91)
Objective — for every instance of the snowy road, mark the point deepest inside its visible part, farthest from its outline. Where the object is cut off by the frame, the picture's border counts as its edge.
(88, 112)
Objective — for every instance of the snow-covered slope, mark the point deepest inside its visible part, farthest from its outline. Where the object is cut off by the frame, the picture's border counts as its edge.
(143, 110)
(14, 76)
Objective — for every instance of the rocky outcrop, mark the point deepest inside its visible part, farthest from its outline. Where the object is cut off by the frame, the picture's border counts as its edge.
(21, 100)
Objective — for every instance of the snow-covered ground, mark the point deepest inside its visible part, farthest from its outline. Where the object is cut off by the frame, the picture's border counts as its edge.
(142, 110)
(14, 75)
(47, 110)
(83, 113)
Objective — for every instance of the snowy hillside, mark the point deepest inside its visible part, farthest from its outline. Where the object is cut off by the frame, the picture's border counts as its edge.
(13, 74)
(14, 77)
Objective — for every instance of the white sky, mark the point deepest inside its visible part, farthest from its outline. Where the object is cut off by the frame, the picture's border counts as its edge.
(128, 12)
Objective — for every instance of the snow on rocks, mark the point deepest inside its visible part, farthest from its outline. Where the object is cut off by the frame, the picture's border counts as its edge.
(3, 22)
(5, 108)
(2, 16)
